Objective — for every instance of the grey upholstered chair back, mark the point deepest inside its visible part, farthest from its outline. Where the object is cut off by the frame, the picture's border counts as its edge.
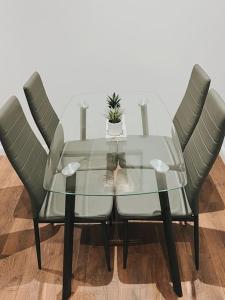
(204, 145)
(23, 150)
(41, 109)
(191, 106)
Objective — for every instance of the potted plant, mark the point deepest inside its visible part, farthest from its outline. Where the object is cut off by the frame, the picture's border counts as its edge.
(114, 117)
(113, 101)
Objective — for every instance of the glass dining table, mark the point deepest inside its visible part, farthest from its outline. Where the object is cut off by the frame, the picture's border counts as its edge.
(145, 158)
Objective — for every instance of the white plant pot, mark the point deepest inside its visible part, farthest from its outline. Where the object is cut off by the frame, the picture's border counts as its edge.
(115, 129)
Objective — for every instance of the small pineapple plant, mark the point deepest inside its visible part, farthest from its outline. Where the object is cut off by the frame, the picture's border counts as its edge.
(114, 115)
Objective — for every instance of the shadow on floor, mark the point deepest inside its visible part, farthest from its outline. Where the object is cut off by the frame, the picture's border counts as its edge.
(23, 207)
(18, 250)
(147, 262)
(15, 242)
(210, 199)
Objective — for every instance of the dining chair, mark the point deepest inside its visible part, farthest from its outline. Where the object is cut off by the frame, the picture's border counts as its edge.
(199, 155)
(190, 109)
(41, 109)
(29, 158)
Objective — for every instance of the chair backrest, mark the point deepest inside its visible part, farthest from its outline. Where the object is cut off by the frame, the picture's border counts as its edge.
(43, 113)
(204, 145)
(190, 109)
(23, 150)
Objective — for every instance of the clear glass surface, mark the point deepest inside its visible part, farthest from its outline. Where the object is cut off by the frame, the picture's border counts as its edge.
(117, 165)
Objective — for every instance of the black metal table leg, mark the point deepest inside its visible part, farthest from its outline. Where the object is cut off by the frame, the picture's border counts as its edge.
(171, 248)
(68, 239)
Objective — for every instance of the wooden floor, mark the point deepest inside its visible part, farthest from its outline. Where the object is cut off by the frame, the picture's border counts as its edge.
(146, 276)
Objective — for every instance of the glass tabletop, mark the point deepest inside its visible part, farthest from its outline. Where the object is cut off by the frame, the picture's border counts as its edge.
(143, 157)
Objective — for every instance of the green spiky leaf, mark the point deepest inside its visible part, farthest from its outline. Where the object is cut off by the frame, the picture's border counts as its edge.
(114, 101)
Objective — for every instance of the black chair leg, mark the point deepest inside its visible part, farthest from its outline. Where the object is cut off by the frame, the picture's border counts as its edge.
(125, 243)
(106, 244)
(196, 241)
(37, 242)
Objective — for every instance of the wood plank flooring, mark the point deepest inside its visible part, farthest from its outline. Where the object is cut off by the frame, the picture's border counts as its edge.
(146, 276)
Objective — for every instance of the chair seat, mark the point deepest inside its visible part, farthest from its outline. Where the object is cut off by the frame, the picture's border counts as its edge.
(90, 207)
(149, 205)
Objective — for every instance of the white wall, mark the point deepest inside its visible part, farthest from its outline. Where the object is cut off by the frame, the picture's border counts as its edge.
(96, 45)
